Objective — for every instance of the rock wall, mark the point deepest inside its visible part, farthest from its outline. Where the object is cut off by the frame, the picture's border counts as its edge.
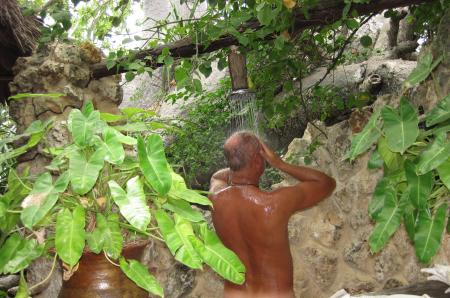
(58, 68)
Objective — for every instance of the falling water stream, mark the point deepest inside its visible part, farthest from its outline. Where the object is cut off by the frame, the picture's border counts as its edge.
(244, 113)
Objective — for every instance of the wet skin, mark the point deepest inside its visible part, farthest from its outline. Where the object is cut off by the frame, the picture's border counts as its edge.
(253, 223)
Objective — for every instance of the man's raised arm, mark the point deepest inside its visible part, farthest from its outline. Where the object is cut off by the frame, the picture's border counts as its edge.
(313, 187)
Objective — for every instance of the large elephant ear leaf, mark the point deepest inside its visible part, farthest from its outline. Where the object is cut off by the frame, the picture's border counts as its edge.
(364, 140)
(177, 236)
(444, 173)
(401, 129)
(17, 253)
(84, 173)
(132, 204)
(114, 152)
(42, 198)
(440, 113)
(420, 186)
(388, 222)
(83, 127)
(434, 155)
(423, 69)
(427, 239)
(139, 274)
(222, 260)
(153, 163)
(70, 235)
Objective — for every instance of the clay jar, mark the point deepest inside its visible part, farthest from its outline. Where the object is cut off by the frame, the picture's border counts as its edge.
(97, 277)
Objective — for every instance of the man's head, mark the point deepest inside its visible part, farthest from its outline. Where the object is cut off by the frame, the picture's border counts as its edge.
(242, 151)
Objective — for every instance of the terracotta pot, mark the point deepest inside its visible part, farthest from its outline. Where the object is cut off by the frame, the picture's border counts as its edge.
(97, 277)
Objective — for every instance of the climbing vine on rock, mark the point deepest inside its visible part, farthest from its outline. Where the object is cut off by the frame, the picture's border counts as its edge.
(415, 188)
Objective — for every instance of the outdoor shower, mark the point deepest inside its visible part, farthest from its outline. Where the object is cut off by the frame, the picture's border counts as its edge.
(244, 113)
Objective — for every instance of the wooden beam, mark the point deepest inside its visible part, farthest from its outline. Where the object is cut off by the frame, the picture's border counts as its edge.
(326, 12)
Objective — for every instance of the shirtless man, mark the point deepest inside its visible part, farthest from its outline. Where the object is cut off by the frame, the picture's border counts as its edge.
(253, 223)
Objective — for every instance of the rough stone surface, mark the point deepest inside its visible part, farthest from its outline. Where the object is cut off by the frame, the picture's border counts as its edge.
(58, 68)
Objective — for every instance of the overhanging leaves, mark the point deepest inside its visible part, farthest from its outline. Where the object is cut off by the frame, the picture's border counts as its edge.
(423, 69)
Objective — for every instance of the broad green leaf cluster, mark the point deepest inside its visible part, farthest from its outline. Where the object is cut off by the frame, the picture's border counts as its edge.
(117, 179)
(415, 188)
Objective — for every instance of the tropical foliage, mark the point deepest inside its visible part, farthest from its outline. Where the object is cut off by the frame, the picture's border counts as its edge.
(415, 188)
(97, 194)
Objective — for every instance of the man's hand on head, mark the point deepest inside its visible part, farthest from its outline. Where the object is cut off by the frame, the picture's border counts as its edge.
(270, 156)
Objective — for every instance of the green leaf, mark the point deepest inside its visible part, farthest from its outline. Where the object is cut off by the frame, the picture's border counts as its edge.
(440, 113)
(377, 202)
(401, 129)
(434, 155)
(423, 69)
(388, 222)
(28, 251)
(444, 173)
(129, 76)
(366, 41)
(114, 152)
(17, 253)
(113, 240)
(108, 117)
(419, 186)
(83, 127)
(132, 204)
(22, 291)
(153, 163)
(33, 95)
(427, 239)
(364, 140)
(70, 235)
(177, 240)
(183, 209)
(132, 127)
(189, 195)
(393, 161)
(410, 220)
(83, 173)
(265, 14)
(375, 161)
(42, 198)
(224, 261)
(139, 274)
(8, 249)
(95, 241)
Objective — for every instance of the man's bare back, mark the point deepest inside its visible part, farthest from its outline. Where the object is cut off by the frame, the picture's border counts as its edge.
(253, 223)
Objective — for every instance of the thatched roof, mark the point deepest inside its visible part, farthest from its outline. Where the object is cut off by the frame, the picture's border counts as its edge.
(16, 31)
(18, 36)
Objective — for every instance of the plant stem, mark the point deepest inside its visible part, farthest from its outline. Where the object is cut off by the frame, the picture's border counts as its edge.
(47, 277)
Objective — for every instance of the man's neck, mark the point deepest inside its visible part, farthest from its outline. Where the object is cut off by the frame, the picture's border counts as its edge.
(238, 178)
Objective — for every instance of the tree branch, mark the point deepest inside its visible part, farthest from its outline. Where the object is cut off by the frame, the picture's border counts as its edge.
(326, 12)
